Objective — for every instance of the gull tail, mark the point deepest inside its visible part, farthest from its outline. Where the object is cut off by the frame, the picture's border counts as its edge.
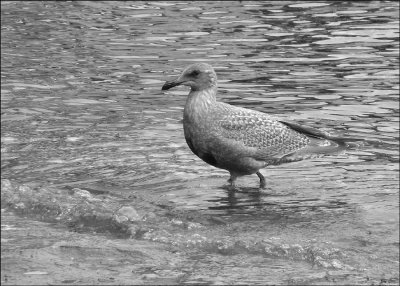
(321, 144)
(315, 133)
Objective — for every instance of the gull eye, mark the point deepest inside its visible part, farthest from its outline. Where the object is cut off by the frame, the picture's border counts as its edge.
(194, 73)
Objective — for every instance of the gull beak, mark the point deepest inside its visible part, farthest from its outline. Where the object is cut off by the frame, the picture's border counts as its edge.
(170, 84)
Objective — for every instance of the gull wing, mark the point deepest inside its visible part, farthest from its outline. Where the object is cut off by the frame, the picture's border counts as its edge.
(264, 137)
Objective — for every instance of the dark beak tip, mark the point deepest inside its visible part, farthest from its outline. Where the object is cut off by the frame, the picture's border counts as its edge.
(169, 84)
(165, 87)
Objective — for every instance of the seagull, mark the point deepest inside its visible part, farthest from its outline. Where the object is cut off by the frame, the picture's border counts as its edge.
(240, 140)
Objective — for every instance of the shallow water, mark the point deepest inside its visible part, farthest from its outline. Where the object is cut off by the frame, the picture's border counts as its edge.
(98, 185)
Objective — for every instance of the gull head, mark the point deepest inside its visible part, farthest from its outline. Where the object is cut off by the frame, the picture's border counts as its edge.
(198, 76)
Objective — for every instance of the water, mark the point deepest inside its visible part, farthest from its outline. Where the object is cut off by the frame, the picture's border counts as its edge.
(99, 187)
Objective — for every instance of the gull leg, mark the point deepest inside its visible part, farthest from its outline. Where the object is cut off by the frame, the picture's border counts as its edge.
(232, 182)
(262, 180)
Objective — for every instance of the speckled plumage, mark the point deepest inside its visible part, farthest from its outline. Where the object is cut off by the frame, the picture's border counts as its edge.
(241, 140)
